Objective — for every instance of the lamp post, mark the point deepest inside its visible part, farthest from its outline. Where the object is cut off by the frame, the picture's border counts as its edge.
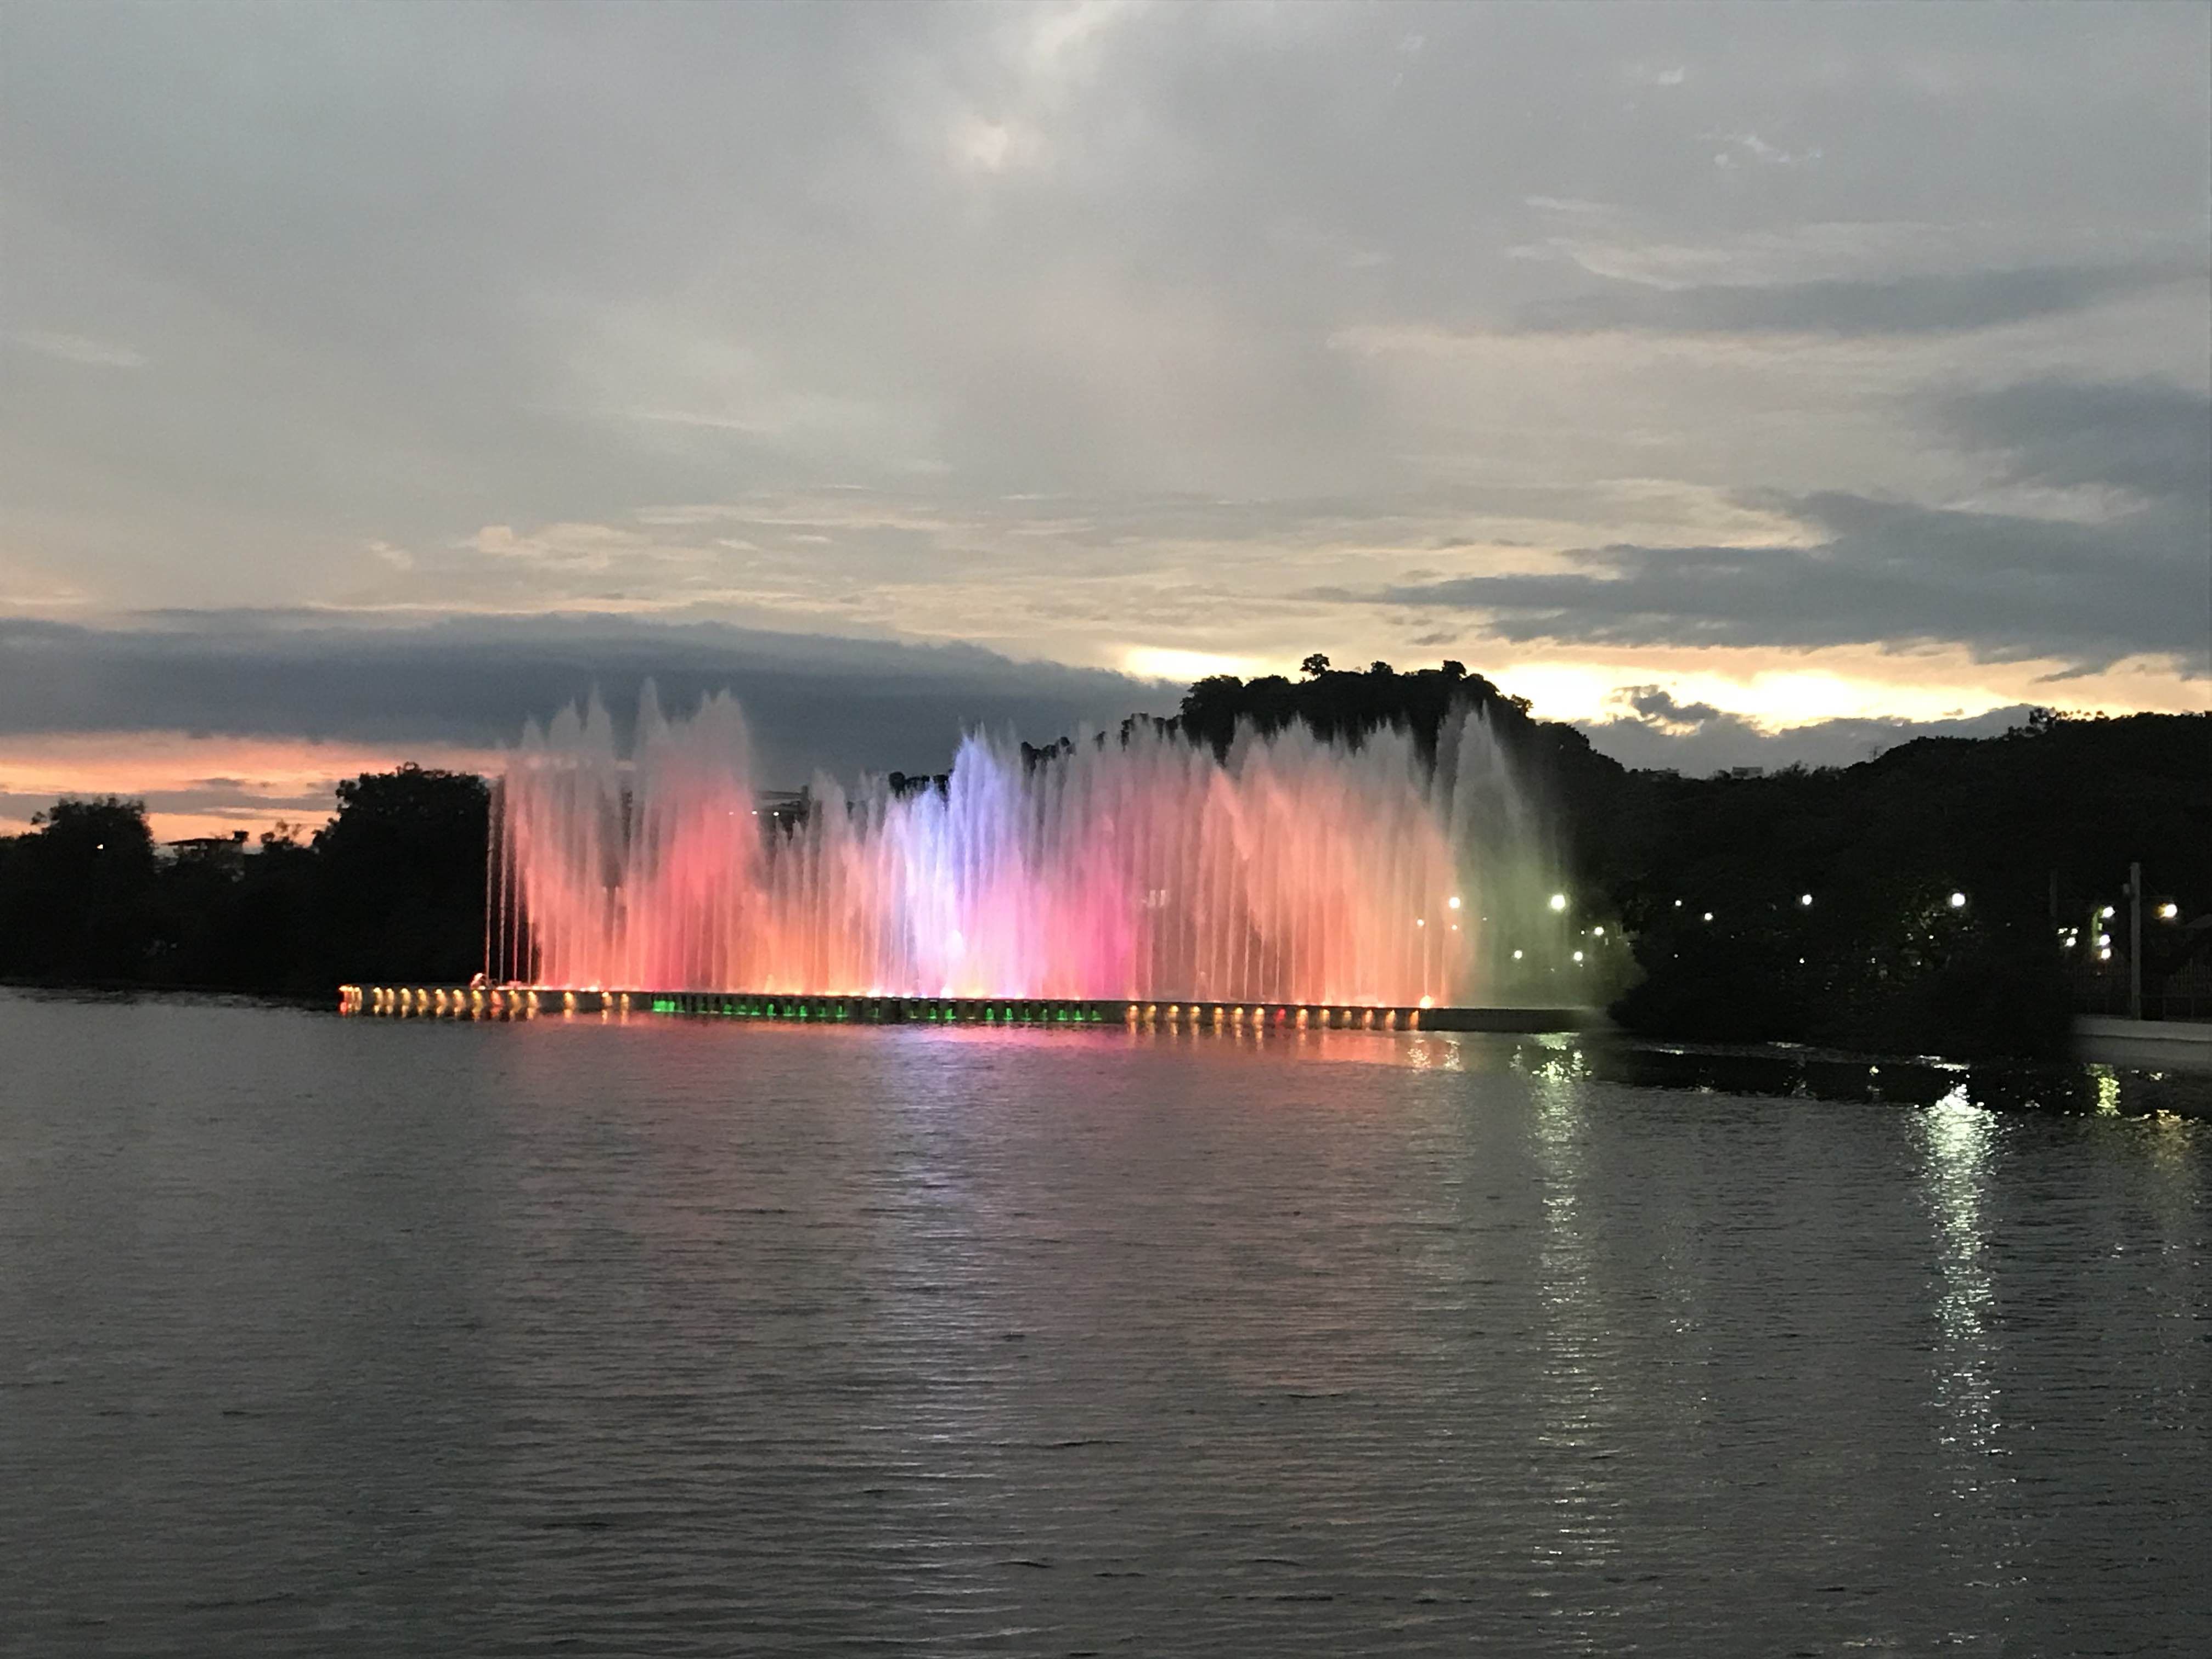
(2135, 941)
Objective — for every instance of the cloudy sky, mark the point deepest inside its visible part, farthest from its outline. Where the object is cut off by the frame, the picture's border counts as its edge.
(1742, 383)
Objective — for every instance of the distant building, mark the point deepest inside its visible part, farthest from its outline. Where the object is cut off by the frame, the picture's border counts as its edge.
(225, 853)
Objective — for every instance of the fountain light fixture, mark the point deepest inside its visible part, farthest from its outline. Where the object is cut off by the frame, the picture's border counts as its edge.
(1559, 901)
(1957, 900)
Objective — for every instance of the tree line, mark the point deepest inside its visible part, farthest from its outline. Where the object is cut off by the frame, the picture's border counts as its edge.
(390, 889)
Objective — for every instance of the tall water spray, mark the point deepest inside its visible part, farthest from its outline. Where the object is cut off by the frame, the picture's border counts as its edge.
(1297, 870)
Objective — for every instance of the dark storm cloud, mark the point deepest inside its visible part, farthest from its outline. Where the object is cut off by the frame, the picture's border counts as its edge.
(2126, 583)
(1900, 305)
(845, 705)
(2151, 439)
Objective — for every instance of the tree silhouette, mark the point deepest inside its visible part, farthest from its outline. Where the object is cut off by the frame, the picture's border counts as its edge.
(77, 900)
(402, 872)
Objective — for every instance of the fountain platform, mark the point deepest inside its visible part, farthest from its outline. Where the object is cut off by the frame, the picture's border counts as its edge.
(537, 1002)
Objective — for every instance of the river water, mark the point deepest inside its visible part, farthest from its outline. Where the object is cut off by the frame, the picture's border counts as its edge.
(363, 1336)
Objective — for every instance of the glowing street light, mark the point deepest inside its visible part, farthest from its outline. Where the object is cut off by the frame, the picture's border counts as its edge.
(2168, 911)
(1579, 956)
(1517, 955)
(1559, 901)
(1804, 901)
(2105, 914)
(1709, 916)
(1453, 901)
(1957, 900)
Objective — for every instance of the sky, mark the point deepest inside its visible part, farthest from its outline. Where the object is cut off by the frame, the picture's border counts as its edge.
(1744, 384)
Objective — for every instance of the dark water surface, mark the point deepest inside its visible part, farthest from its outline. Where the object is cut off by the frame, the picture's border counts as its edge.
(366, 1337)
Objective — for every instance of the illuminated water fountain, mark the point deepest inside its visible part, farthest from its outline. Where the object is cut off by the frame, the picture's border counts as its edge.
(1299, 871)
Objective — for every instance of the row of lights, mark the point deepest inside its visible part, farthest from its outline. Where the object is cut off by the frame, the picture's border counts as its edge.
(1220, 1014)
(435, 999)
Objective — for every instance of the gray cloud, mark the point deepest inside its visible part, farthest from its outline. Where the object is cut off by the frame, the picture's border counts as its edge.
(843, 705)
(2150, 438)
(1656, 706)
(2008, 586)
(300, 301)
(1921, 304)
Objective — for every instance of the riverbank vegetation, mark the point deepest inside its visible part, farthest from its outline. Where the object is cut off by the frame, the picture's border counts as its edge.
(392, 888)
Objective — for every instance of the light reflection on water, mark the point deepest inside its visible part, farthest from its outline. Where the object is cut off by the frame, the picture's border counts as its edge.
(1959, 1137)
(364, 1337)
